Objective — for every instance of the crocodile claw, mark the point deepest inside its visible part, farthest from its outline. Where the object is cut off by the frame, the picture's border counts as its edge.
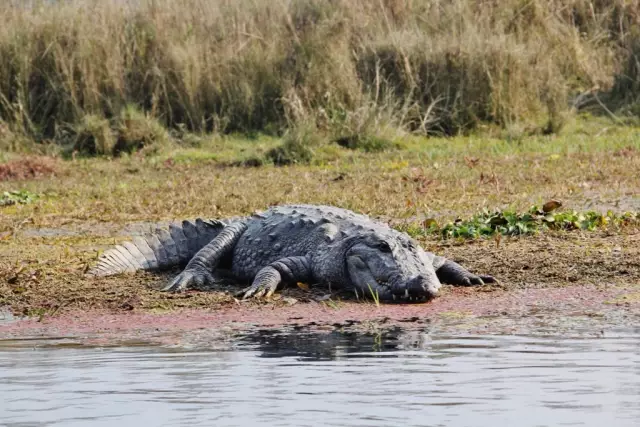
(473, 279)
(189, 278)
(258, 290)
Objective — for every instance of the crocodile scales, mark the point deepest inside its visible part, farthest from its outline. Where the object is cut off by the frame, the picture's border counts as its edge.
(286, 244)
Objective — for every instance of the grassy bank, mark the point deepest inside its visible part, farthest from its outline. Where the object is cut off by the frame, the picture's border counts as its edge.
(590, 167)
(102, 77)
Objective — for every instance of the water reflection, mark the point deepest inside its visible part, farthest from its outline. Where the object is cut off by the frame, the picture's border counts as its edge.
(300, 378)
(318, 346)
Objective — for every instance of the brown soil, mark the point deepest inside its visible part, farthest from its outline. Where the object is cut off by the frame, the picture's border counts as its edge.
(554, 259)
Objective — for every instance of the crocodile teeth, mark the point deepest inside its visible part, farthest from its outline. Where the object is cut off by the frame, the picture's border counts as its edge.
(394, 296)
(406, 293)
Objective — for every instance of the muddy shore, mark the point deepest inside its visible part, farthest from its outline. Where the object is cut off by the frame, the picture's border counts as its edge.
(595, 308)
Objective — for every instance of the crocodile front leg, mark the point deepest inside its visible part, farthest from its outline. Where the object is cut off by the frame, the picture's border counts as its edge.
(453, 273)
(198, 271)
(285, 270)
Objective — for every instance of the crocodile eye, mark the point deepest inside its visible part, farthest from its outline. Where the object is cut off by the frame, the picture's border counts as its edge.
(383, 246)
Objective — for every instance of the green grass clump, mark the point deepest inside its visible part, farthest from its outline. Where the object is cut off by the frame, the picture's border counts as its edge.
(133, 130)
(137, 130)
(94, 136)
(291, 151)
(297, 147)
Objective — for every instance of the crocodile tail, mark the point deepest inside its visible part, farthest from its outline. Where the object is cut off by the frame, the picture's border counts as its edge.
(162, 249)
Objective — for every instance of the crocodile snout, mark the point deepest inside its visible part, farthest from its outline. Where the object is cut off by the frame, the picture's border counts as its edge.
(417, 289)
(421, 286)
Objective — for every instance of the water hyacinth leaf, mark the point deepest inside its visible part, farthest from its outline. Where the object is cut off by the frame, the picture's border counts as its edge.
(498, 220)
(551, 205)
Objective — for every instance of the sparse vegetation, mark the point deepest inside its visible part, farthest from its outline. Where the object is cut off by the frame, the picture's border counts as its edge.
(352, 69)
(374, 295)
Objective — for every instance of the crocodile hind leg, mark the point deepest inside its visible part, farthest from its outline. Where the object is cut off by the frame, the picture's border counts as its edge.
(285, 270)
(199, 271)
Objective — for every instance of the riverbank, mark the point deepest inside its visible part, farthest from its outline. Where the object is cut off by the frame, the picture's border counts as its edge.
(58, 218)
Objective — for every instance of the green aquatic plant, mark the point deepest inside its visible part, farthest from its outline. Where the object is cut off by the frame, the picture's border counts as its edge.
(511, 223)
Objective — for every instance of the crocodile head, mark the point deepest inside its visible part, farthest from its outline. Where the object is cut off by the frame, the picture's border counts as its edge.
(391, 267)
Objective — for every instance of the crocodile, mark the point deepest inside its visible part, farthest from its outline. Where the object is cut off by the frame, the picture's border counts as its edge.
(288, 244)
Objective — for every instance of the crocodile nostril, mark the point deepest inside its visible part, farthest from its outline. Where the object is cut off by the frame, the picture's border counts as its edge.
(414, 286)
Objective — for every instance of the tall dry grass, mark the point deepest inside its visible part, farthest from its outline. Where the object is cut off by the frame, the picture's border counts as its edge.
(345, 66)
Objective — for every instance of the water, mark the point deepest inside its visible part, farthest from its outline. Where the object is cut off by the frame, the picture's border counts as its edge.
(338, 379)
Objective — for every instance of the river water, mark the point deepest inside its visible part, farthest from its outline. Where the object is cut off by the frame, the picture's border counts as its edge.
(334, 378)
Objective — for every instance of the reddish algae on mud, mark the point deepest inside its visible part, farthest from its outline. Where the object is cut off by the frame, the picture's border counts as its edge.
(461, 303)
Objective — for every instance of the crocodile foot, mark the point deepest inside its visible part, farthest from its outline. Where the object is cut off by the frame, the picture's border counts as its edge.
(190, 278)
